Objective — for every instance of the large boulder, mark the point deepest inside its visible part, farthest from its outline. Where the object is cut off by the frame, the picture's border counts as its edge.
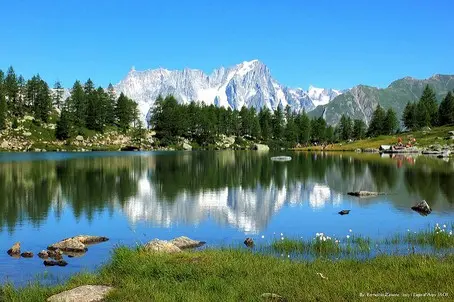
(161, 246)
(422, 208)
(364, 194)
(85, 293)
(187, 146)
(14, 250)
(68, 245)
(186, 243)
(89, 239)
(55, 263)
(261, 147)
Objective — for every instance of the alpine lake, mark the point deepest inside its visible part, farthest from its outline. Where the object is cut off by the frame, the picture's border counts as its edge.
(221, 197)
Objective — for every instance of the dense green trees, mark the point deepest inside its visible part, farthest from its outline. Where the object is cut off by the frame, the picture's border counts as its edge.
(427, 113)
(3, 108)
(446, 110)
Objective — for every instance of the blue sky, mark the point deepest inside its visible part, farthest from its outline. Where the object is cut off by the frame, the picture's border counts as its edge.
(336, 44)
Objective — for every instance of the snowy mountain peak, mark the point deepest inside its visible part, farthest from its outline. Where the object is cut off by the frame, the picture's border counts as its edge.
(246, 84)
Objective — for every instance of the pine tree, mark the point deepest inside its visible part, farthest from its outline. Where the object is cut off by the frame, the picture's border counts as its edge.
(278, 123)
(111, 103)
(291, 129)
(255, 124)
(422, 116)
(63, 127)
(409, 116)
(391, 123)
(376, 123)
(43, 102)
(345, 128)
(359, 129)
(11, 88)
(318, 130)
(3, 109)
(124, 112)
(77, 105)
(429, 100)
(446, 110)
(21, 104)
(304, 127)
(57, 96)
(265, 120)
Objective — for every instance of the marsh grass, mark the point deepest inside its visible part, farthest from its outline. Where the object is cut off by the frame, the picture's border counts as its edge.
(240, 275)
(440, 237)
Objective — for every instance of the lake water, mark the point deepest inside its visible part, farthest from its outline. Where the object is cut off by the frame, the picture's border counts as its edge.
(218, 197)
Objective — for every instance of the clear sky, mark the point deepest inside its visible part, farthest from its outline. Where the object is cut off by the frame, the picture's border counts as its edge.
(335, 44)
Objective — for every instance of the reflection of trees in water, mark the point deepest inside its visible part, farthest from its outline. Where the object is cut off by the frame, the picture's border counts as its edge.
(93, 184)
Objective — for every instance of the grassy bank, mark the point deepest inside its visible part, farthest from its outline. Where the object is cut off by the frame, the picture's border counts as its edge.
(423, 139)
(239, 275)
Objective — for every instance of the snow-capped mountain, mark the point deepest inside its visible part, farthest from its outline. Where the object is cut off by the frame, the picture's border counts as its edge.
(247, 84)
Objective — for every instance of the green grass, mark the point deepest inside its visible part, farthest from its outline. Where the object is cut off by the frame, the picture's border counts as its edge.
(423, 138)
(239, 275)
(440, 237)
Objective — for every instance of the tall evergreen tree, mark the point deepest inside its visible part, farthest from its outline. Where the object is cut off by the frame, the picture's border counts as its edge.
(3, 109)
(429, 100)
(43, 102)
(409, 117)
(111, 103)
(359, 129)
(78, 105)
(446, 110)
(376, 123)
(63, 128)
(278, 123)
(265, 120)
(391, 123)
(318, 130)
(304, 127)
(124, 112)
(291, 129)
(345, 128)
(422, 116)
(57, 95)
(11, 88)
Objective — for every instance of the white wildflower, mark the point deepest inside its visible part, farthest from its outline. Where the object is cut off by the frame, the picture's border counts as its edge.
(350, 230)
(348, 236)
(263, 236)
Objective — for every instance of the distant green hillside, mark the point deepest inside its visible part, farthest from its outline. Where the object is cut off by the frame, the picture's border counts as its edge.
(360, 101)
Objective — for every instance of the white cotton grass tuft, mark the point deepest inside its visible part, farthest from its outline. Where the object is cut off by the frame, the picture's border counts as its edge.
(348, 236)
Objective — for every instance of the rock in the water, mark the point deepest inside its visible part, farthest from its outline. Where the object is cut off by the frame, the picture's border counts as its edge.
(187, 147)
(364, 194)
(85, 293)
(161, 246)
(186, 243)
(249, 242)
(281, 158)
(422, 208)
(55, 263)
(344, 212)
(273, 297)
(27, 255)
(43, 254)
(88, 239)
(261, 147)
(14, 250)
(69, 244)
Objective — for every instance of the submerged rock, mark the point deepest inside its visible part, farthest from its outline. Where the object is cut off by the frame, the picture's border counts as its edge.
(69, 245)
(27, 255)
(364, 194)
(14, 250)
(422, 208)
(184, 242)
(249, 242)
(55, 263)
(344, 212)
(43, 254)
(85, 293)
(161, 246)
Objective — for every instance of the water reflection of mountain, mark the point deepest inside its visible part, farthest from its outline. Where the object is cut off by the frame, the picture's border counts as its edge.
(239, 189)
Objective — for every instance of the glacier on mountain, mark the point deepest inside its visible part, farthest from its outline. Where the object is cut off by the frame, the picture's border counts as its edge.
(247, 84)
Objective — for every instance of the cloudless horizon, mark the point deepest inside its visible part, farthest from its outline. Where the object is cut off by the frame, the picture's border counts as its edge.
(330, 44)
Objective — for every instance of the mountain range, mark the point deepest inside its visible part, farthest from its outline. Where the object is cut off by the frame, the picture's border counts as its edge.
(360, 101)
(247, 84)
(250, 84)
